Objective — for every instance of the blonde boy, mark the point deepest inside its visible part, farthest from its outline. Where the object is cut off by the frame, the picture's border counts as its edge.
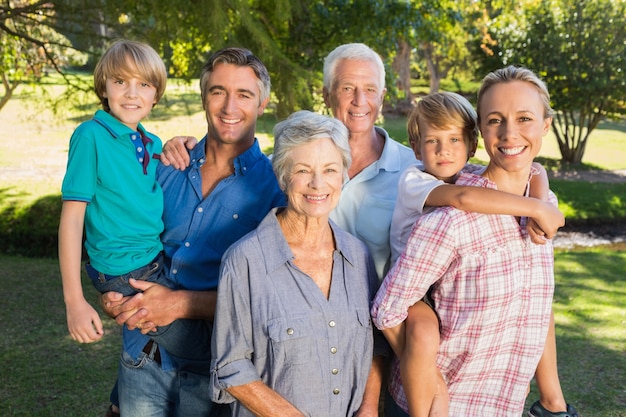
(110, 191)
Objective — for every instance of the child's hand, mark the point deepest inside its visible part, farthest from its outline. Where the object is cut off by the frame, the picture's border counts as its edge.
(176, 151)
(545, 224)
(84, 323)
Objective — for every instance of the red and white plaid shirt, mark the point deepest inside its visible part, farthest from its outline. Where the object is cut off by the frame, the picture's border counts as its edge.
(493, 292)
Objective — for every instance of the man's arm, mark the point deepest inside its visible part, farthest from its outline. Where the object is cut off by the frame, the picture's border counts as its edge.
(176, 151)
(157, 306)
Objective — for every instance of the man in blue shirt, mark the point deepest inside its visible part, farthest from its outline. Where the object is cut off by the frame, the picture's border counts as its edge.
(225, 192)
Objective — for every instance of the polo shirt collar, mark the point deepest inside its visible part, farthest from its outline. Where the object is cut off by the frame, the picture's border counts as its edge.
(115, 127)
(390, 159)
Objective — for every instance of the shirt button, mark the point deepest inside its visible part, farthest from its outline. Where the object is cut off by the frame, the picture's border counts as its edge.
(335, 371)
(290, 331)
(187, 244)
(139, 149)
(336, 391)
(200, 209)
(140, 159)
(245, 169)
(333, 350)
(174, 271)
(235, 216)
(331, 323)
(133, 137)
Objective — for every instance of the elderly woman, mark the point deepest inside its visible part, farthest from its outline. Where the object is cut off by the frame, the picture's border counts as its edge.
(292, 332)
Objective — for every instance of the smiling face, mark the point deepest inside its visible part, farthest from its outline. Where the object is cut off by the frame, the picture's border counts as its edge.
(356, 95)
(315, 178)
(513, 123)
(443, 152)
(130, 99)
(233, 103)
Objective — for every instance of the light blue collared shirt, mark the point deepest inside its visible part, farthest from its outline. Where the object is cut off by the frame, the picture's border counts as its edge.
(368, 199)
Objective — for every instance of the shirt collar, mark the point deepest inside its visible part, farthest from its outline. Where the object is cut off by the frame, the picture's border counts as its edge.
(117, 128)
(243, 163)
(277, 252)
(390, 159)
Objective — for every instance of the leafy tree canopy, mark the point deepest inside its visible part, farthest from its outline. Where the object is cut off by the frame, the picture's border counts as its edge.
(579, 49)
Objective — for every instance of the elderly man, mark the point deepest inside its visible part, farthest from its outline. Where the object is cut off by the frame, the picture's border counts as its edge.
(354, 89)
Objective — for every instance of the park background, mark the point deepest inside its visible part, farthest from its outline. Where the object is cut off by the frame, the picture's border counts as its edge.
(577, 47)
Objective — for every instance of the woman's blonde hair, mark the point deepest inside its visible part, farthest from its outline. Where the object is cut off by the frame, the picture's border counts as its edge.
(513, 73)
(127, 58)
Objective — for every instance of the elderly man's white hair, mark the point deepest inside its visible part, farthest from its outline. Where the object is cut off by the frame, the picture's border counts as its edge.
(352, 51)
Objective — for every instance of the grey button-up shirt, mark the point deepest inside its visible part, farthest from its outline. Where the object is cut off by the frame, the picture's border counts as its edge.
(274, 324)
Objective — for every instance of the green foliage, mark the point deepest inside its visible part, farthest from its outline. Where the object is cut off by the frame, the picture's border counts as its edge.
(578, 48)
(31, 45)
(596, 202)
(30, 230)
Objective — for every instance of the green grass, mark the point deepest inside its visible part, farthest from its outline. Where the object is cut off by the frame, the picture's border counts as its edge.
(44, 372)
(590, 313)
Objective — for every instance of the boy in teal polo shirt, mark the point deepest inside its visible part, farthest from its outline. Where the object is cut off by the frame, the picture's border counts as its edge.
(110, 190)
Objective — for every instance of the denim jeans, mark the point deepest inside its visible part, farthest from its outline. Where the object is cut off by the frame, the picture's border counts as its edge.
(392, 409)
(146, 390)
(187, 338)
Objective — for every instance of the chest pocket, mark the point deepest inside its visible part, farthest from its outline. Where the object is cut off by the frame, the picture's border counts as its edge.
(291, 340)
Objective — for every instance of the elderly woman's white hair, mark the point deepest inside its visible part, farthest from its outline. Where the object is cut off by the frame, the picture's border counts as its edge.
(304, 127)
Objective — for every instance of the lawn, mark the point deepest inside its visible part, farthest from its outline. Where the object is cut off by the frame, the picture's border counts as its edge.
(43, 372)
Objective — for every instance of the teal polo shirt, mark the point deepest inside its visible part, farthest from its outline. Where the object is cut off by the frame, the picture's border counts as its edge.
(113, 170)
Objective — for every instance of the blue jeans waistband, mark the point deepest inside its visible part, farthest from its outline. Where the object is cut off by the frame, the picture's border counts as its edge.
(138, 273)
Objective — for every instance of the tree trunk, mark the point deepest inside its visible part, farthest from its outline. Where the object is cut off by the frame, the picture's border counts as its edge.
(572, 134)
(9, 88)
(402, 67)
(433, 68)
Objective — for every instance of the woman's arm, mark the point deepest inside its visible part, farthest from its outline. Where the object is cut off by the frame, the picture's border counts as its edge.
(371, 396)
(263, 401)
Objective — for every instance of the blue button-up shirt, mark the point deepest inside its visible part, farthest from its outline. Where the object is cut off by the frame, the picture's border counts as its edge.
(199, 230)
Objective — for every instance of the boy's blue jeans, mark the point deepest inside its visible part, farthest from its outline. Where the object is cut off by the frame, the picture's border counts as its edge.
(184, 338)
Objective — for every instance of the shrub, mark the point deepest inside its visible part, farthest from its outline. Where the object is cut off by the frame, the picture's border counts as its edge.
(31, 230)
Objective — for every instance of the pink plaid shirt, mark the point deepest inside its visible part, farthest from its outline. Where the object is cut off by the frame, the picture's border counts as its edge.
(493, 292)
